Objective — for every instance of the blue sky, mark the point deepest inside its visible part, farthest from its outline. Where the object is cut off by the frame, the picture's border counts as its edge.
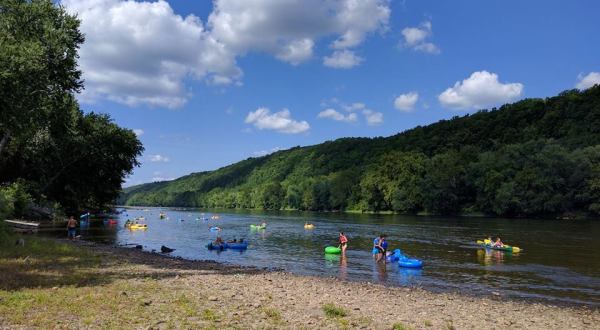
(208, 82)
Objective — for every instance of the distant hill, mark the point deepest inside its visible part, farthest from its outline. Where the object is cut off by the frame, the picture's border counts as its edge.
(531, 158)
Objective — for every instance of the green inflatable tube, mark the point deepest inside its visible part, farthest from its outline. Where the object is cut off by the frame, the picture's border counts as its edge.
(333, 250)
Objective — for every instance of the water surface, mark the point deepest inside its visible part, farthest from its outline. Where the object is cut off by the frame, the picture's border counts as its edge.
(559, 262)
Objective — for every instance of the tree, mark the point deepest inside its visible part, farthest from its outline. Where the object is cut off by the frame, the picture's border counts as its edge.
(38, 65)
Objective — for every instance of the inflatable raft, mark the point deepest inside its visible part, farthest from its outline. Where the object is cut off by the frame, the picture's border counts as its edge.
(333, 250)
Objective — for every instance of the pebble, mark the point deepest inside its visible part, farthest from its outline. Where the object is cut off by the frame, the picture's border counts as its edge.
(212, 298)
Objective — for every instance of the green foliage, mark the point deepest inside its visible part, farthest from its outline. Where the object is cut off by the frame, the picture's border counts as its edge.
(536, 157)
(331, 310)
(14, 200)
(61, 154)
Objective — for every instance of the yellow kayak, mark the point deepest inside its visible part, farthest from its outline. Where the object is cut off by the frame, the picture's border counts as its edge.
(138, 226)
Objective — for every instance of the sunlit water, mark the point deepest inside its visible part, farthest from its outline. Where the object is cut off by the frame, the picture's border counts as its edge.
(559, 262)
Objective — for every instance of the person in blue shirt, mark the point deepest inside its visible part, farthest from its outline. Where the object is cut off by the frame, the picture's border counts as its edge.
(381, 247)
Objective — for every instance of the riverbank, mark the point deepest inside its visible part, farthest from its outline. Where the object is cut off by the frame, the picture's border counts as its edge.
(56, 283)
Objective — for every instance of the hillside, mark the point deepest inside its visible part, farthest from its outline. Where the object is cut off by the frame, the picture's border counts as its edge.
(533, 157)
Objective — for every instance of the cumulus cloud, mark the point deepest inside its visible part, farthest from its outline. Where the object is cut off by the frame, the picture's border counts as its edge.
(591, 79)
(138, 132)
(342, 59)
(158, 159)
(337, 116)
(373, 118)
(281, 121)
(141, 52)
(406, 102)
(480, 90)
(289, 29)
(415, 38)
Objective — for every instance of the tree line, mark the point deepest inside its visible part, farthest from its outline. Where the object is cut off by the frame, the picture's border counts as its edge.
(536, 157)
(53, 155)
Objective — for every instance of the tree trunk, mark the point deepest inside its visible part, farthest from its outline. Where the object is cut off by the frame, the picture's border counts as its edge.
(4, 141)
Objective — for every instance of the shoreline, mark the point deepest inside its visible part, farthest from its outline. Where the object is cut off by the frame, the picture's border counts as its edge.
(419, 214)
(229, 296)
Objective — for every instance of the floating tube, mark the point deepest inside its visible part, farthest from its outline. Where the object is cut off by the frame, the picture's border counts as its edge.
(309, 226)
(214, 228)
(236, 246)
(395, 256)
(410, 262)
(219, 247)
(333, 250)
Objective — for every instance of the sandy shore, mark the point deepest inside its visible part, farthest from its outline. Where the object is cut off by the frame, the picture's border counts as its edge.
(223, 296)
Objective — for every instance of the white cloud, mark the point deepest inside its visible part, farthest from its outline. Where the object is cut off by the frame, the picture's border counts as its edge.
(138, 132)
(158, 158)
(280, 121)
(342, 59)
(265, 152)
(480, 90)
(159, 179)
(373, 118)
(406, 102)
(588, 81)
(415, 38)
(141, 52)
(354, 106)
(337, 116)
(289, 29)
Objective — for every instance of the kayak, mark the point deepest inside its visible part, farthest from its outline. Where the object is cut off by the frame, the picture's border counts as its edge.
(236, 246)
(333, 250)
(138, 226)
(258, 226)
(488, 245)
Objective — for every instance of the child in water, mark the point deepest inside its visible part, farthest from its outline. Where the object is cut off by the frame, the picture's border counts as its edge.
(343, 242)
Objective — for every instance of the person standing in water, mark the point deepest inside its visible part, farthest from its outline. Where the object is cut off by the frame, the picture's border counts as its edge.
(71, 227)
(343, 242)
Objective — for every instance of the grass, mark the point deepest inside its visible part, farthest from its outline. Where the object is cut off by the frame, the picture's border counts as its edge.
(428, 323)
(209, 315)
(273, 314)
(400, 326)
(334, 311)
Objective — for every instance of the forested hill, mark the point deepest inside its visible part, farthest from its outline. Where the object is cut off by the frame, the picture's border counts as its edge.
(536, 157)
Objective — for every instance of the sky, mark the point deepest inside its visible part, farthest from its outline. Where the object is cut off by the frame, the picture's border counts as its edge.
(208, 83)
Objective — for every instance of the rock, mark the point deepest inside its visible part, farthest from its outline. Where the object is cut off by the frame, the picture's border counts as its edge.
(55, 288)
(147, 302)
(213, 298)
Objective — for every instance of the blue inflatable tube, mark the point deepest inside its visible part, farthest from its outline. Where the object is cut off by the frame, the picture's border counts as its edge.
(236, 246)
(219, 247)
(214, 228)
(410, 263)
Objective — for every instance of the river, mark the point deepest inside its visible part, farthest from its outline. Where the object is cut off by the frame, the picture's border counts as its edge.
(558, 264)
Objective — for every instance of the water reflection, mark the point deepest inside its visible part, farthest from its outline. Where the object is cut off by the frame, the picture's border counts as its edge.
(409, 276)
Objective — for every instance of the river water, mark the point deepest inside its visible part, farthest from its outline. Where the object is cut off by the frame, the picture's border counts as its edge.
(559, 261)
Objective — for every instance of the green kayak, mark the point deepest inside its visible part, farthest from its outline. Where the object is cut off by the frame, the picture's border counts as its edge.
(333, 250)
